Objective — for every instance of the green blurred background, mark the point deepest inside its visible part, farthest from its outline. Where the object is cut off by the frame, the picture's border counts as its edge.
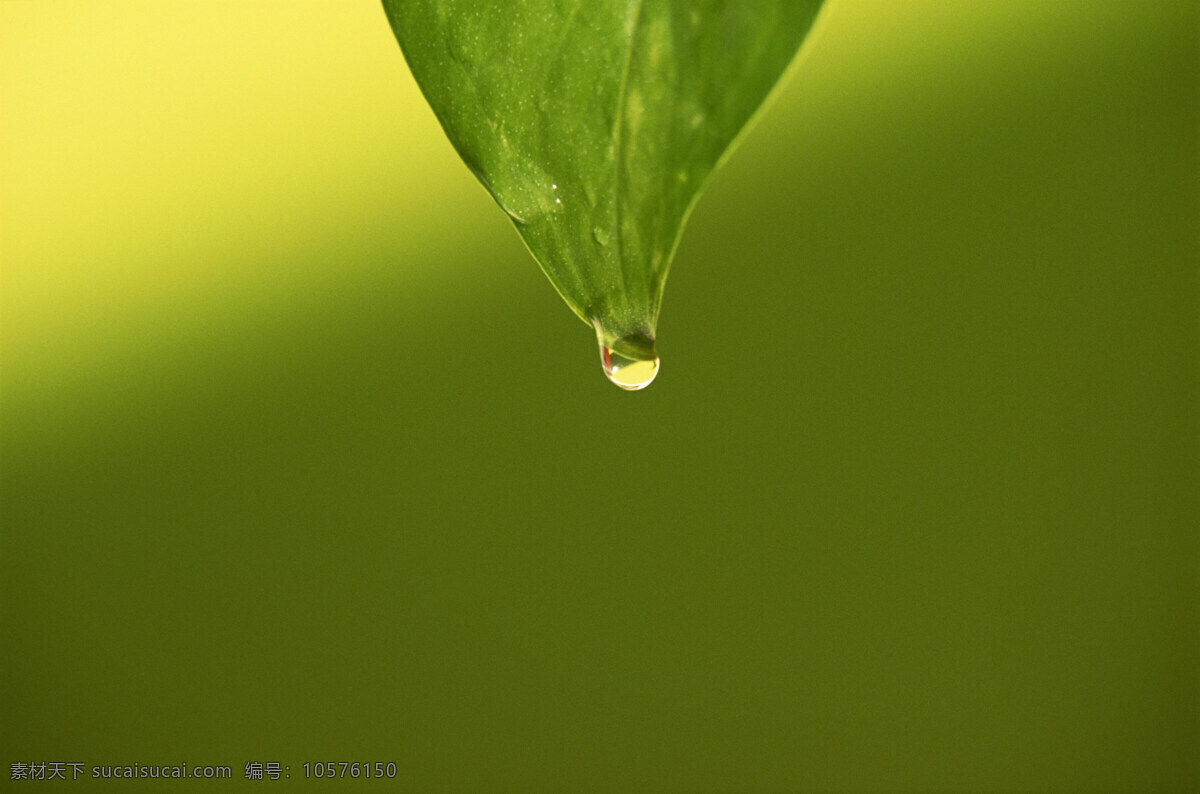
(303, 459)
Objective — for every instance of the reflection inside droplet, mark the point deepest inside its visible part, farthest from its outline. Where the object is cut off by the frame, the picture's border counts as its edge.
(630, 374)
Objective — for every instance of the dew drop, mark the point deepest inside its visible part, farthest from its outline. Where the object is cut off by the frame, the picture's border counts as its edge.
(630, 374)
(629, 361)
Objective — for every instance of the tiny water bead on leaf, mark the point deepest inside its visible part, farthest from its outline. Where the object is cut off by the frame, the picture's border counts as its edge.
(594, 124)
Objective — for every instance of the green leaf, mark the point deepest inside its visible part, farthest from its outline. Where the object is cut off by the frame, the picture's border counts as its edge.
(595, 123)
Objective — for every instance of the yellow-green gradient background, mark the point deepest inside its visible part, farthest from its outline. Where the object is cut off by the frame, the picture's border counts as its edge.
(303, 459)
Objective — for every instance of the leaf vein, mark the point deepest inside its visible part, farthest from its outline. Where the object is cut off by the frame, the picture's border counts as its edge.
(618, 143)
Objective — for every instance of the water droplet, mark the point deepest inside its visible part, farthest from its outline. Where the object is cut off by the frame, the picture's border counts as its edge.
(630, 374)
(599, 235)
(630, 361)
